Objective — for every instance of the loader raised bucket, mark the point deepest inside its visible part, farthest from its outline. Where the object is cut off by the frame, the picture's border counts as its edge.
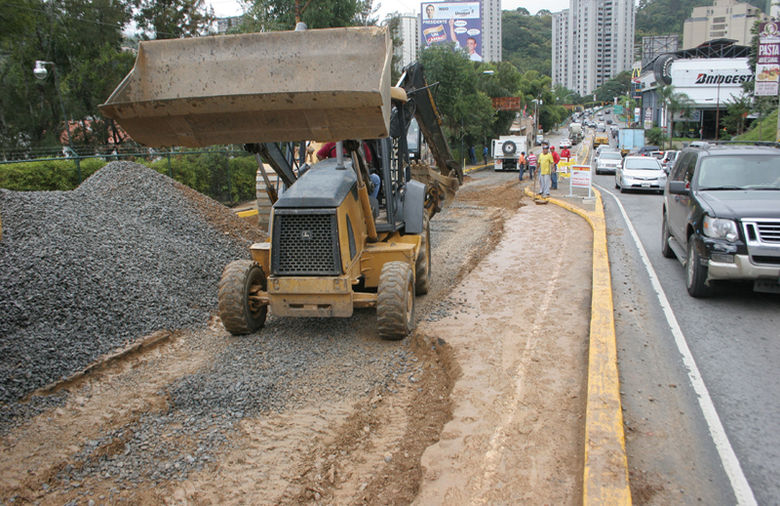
(322, 85)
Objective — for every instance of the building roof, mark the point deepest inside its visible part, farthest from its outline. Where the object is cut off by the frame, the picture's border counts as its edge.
(715, 48)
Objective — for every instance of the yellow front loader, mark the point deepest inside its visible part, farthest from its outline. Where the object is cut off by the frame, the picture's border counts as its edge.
(347, 232)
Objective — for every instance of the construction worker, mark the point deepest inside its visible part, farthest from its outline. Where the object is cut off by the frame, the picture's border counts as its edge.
(546, 164)
(521, 165)
(554, 173)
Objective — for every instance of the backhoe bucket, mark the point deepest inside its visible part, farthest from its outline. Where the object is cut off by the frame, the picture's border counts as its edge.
(322, 85)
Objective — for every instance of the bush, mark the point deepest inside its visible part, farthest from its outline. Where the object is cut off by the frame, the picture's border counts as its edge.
(50, 175)
(223, 178)
(655, 136)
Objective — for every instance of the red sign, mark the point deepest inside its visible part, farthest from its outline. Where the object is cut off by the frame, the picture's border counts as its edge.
(508, 103)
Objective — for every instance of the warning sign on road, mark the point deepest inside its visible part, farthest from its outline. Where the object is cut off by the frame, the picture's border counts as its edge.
(580, 178)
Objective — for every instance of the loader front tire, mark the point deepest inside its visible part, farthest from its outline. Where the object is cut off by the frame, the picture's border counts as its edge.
(238, 313)
(422, 267)
(395, 301)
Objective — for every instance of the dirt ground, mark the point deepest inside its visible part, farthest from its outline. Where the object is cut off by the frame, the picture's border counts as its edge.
(493, 412)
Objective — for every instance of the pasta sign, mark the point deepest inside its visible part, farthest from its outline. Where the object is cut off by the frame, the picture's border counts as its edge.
(455, 22)
(768, 62)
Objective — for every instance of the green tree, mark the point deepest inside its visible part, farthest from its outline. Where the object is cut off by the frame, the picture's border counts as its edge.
(467, 112)
(83, 39)
(535, 86)
(393, 23)
(273, 15)
(527, 41)
(564, 95)
(615, 87)
(737, 110)
(503, 82)
(655, 137)
(172, 19)
(673, 102)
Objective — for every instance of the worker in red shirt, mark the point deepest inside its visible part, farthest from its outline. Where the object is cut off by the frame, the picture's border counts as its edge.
(328, 150)
(556, 159)
(565, 153)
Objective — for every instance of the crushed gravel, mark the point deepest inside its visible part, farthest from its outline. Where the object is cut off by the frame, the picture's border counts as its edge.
(85, 272)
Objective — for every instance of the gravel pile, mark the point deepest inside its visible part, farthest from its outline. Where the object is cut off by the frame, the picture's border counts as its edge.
(88, 271)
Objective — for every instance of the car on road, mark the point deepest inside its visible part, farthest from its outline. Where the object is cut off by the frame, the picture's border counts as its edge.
(565, 143)
(646, 150)
(721, 215)
(607, 161)
(640, 173)
(601, 148)
(668, 159)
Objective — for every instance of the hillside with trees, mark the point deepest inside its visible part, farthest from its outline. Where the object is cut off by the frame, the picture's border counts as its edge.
(527, 40)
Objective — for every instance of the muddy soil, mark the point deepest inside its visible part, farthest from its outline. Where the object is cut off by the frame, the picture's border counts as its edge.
(487, 407)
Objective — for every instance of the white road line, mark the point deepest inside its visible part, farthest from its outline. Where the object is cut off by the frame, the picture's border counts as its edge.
(728, 458)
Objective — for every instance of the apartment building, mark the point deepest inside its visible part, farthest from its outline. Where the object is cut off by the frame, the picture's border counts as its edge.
(409, 33)
(725, 19)
(593, 41)
(560, 49)
(491, 30)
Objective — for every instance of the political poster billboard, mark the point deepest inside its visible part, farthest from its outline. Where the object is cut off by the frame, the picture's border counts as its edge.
(455, 22)
(768, 62)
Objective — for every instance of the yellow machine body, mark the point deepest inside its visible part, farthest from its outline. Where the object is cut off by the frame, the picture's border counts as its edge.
(336, 296)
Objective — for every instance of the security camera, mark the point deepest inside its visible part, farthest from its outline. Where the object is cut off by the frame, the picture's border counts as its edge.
(40, 71)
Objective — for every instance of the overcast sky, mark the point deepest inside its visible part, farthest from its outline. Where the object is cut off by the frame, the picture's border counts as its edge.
(233, 7)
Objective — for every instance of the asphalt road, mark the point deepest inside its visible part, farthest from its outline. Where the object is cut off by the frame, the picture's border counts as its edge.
(676, 452)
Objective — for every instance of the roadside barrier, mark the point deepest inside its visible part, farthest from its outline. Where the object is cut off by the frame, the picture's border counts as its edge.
(605, 473)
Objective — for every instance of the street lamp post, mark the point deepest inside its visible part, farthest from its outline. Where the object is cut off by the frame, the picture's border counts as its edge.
(41, 73)
(537, 101)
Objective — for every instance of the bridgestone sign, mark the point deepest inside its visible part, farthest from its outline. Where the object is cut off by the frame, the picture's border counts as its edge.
(721, 79)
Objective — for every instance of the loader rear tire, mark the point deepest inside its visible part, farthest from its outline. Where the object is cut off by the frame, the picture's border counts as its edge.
(238, 314)
(422, 267)
(395, 301)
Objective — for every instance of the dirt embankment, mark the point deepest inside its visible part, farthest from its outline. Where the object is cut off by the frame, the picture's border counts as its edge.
(322, 411)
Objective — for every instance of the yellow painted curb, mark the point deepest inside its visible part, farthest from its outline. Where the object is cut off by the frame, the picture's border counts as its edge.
(477, 167)
(605, 475)
(247, 213)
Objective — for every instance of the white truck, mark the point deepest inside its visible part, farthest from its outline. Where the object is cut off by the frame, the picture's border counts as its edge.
(506, 151)
(575, 132)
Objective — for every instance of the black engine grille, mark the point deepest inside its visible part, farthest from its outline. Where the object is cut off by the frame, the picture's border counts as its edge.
(305, 243)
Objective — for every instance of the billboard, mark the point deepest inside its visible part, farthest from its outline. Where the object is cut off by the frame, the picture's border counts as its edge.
(457, 22)
(710, 82)
(768, 62)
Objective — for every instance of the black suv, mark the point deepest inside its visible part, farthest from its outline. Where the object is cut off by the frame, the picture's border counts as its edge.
(721, 215)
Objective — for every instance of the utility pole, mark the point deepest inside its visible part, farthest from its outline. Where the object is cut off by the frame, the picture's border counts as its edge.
(717, 115)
